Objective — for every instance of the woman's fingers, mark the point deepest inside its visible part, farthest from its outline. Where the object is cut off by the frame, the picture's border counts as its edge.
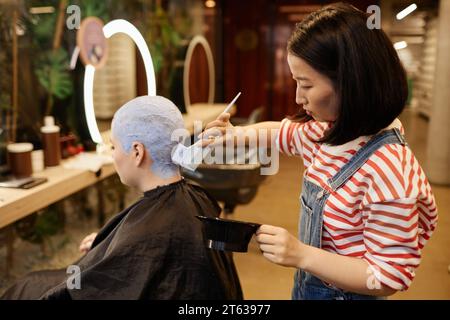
(222, 121)
(213, 132)
(269, 256)
(225, 117)
(267, 248)
(83, 248)
(86, 243)
(206, 142)
(85, 240)
(265, 238)
(92, 235)
(89, 245)
(268, 229)
(216, 123)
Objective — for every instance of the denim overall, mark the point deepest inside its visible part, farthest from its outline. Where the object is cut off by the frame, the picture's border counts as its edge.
(313, 198)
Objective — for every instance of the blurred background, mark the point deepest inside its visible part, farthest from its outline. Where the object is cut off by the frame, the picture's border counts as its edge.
(248, 44)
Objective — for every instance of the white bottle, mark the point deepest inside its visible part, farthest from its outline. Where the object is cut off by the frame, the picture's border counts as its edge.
(51, 142)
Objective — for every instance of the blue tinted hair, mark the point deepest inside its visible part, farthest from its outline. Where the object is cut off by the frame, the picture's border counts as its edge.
(150, 120)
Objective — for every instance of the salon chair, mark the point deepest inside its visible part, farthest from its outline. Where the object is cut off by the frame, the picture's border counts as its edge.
(255, 116)
(232, 184)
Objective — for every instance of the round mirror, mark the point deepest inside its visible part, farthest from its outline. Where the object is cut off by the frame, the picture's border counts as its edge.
(110, 29)
(115, 83)
(199, 73)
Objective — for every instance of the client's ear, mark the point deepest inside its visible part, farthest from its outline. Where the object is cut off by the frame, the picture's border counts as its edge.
(138, 153)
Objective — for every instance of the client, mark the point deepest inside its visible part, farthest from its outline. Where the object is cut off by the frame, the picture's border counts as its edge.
(155, 248)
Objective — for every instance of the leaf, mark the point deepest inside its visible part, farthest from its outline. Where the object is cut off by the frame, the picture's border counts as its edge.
(44, 28)
(5, 101)
(166, 33)
(94, 8)
(48, 223)
(176, 38)
(157, 55)
(53, 74)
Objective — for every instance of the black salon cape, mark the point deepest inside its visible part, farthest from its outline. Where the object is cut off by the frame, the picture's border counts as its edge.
(152, 250)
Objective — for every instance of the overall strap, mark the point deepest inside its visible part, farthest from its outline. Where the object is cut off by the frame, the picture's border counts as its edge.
(357, 161)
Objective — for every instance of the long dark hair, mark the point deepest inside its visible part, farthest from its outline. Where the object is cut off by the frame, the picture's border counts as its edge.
(362, 64)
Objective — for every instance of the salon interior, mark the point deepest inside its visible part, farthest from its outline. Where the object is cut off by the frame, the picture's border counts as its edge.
(67, 66)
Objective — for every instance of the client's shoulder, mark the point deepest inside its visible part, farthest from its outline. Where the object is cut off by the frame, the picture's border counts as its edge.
(202, 197)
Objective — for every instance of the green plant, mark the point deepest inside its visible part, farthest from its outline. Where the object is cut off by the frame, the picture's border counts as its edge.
(5, 104)
(94, 8)
(39, 227)
(52, 73)
(51, 65)
(163, 40)
(5, 66)
(42, 28)
(9, 69)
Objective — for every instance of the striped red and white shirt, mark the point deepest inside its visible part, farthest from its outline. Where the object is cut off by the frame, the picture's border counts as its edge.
(384, 213)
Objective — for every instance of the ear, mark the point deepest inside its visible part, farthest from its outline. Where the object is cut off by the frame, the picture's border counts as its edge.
(138, 153)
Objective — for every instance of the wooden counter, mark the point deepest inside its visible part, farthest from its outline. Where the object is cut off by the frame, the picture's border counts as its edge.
(18, 203)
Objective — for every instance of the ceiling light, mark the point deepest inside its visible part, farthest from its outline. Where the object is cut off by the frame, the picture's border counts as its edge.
(210, 3)
(400, 45)
(406, 11)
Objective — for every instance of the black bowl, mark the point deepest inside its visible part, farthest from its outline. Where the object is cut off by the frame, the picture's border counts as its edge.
(228, 235)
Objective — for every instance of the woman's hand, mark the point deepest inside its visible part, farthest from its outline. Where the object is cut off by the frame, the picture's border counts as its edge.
(348, 273)
(217, 127)
(279, 246)
(217, 132)
(221, 131)
(86, 244)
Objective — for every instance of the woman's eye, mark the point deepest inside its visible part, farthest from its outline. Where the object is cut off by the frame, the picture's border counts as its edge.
(306, 87)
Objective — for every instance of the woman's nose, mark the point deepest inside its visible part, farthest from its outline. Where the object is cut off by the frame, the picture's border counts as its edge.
(299, 98)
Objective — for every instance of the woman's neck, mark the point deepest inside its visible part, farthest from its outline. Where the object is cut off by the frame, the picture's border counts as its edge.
(153, 181)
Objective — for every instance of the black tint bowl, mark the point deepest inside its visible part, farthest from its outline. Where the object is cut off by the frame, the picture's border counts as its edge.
(228, 235)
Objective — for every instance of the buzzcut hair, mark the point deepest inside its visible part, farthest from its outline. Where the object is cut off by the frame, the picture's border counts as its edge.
(150, 120)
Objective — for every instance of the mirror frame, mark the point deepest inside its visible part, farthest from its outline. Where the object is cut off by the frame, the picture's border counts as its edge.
(198, 40)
